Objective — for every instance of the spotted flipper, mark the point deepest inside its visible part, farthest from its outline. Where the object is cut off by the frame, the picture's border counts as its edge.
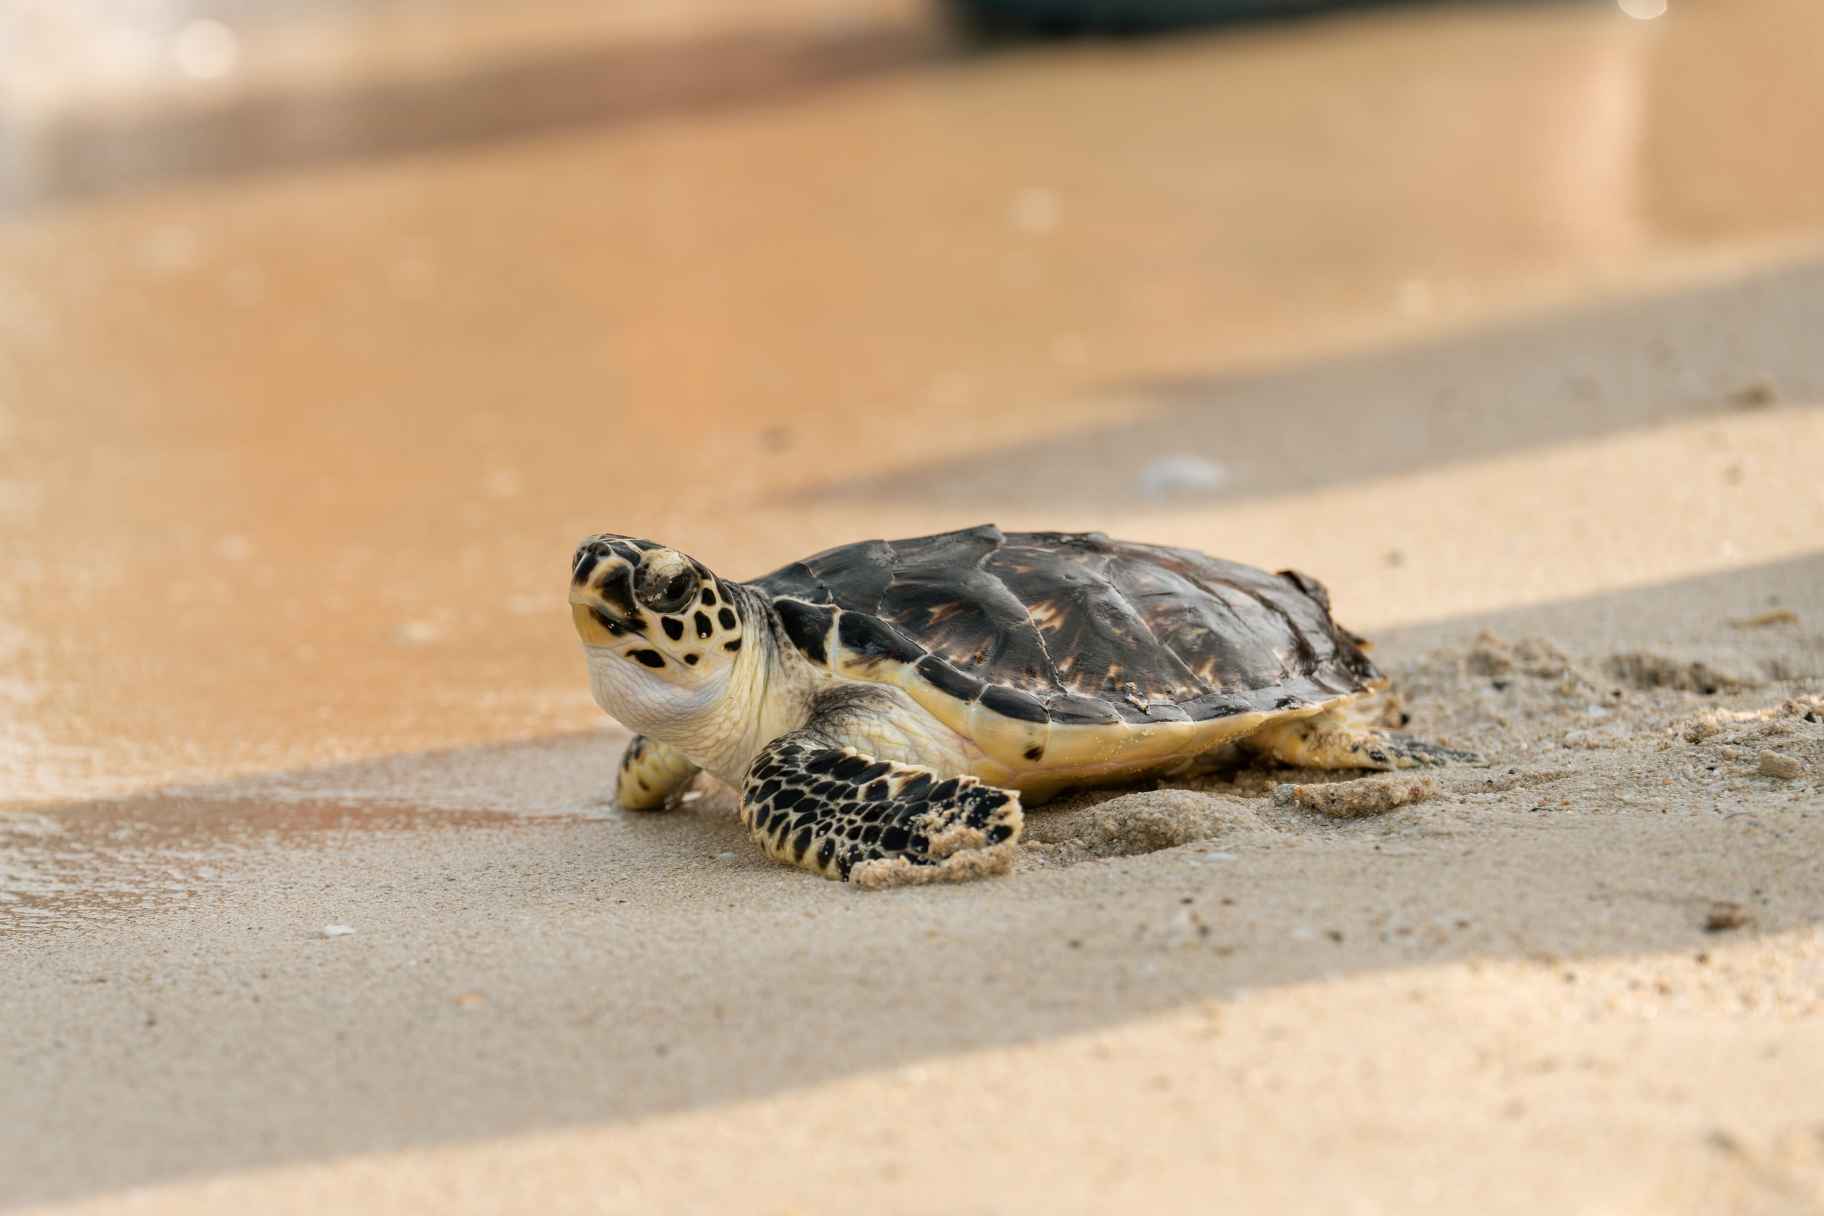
(1344, 738)
(845, 815)
(651, 773)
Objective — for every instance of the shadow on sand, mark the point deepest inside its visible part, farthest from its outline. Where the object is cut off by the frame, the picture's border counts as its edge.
(1572, 376)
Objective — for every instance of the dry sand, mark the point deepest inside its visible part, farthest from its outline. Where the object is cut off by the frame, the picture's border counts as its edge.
(311, 896)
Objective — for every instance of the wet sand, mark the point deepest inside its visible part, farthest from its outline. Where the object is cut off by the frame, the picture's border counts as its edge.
(1478, 315)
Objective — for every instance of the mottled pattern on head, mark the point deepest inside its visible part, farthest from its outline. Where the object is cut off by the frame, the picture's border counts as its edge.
(654, 606)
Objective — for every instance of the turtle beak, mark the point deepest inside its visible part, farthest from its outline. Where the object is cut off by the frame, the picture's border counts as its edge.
(594, 626)
(601, 593)
(596, 560)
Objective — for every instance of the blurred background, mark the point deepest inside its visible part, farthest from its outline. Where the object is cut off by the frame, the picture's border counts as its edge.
(328, 326)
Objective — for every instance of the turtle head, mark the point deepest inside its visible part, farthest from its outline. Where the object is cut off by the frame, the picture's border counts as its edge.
(650, 617)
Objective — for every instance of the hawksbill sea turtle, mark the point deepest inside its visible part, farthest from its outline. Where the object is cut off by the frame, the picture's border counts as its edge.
(884, 708)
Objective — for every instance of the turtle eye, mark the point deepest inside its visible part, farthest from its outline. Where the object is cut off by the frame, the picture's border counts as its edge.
(666, 582)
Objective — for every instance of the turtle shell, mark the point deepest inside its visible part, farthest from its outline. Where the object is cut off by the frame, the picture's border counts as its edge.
(1049, 632)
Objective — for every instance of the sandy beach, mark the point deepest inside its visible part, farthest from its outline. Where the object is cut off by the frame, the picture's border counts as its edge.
(313, 895)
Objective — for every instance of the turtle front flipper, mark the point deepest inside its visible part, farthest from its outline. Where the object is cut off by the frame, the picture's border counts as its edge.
(844, 815)
(651, 772)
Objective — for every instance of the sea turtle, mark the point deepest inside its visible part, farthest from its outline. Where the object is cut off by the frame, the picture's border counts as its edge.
(884, 707)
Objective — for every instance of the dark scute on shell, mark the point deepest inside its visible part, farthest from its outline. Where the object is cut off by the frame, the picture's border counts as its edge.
(862, 570)
(796, 581)
(1310, 586)
(1014, 704)
(1071, 710)
(966, 546)
(870, 640)
(1076, 595)
(807, 626)
(972, 620)
(1215, 705)
(948, 679)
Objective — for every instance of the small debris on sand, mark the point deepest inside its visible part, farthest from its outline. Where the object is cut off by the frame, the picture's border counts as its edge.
(1595, 738)
(728, 855)
(1724, 915)
(1711, 723)
(1357, 799)
(337, 930)
(1778, 616)
(1646, 670)
(1757, 394)
(1134, 823)
(1515, 779)
(1781, 766)
(965, 866)
(469, 1000)
(1492, 655)
(1186, 928)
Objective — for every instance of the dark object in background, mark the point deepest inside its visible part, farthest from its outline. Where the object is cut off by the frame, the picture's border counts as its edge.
(1065, 17)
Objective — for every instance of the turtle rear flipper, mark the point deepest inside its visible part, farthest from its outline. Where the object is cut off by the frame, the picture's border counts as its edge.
(845, 815)
(1343, 738)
